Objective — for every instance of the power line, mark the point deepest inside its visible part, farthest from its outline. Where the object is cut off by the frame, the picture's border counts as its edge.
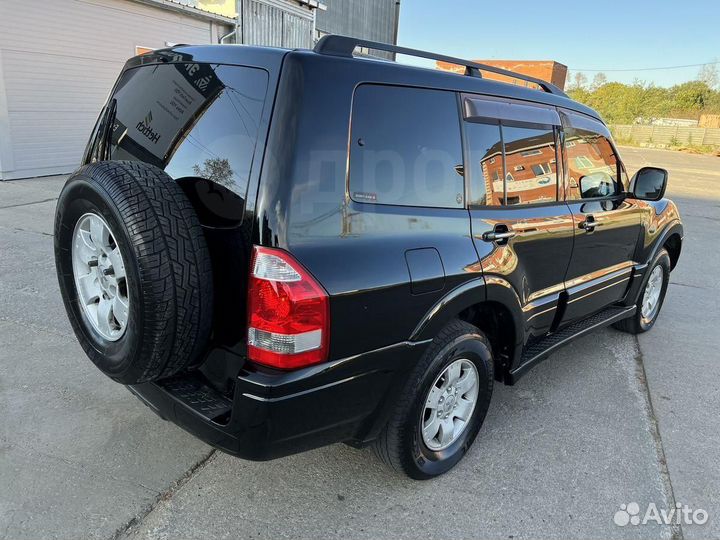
(649, 69)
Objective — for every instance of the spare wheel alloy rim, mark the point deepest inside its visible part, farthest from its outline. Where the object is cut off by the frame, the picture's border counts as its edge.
(100, 279)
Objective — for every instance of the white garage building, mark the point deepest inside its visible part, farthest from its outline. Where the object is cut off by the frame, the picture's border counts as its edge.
(59, 59)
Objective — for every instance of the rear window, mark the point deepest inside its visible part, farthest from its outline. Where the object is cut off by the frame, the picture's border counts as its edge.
(192, 120)
(405, 147)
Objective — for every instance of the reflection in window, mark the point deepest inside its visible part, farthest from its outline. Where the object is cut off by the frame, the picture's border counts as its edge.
(485, 163)
(583, 162)
(592, 165)
(193, 120)
(530, 168)
(539, 169)
(530, 154)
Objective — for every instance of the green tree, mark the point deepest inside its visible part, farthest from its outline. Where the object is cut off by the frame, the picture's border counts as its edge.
(620, 103)
(691, 97)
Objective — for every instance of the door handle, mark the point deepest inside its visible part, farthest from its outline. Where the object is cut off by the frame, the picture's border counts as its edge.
(589, 224)
(497, 236)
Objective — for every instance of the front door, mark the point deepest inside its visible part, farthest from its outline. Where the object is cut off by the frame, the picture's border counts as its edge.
(607, 225)
(521, 226)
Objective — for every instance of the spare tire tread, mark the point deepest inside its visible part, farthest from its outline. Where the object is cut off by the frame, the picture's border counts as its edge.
(173, 264)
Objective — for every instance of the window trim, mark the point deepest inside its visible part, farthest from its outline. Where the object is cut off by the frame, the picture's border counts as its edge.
(477, 107)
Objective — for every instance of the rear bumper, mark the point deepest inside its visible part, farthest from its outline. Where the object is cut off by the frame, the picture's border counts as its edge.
(277, 414)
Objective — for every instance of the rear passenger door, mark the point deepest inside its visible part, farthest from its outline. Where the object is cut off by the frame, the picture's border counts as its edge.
(401, 240)
(607, 224)
(522, 228)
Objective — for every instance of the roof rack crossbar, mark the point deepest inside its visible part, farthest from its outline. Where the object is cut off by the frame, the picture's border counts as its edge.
(335, 45)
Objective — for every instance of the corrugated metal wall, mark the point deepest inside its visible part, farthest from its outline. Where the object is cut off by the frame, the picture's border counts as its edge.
(368, 19)
(276, 23)
(59, 61)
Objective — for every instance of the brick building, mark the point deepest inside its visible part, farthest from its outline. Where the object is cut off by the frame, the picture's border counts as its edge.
(546, 70)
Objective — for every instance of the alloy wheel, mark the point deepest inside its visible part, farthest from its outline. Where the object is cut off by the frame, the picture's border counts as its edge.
(449, 404)
(651, 297)
(100, 279)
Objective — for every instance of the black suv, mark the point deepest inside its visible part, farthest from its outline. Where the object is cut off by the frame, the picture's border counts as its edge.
(282, 249)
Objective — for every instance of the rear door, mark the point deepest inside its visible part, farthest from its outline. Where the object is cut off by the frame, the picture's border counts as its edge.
(521, 226)
(607, 225)
(192, 120)
(203, 124)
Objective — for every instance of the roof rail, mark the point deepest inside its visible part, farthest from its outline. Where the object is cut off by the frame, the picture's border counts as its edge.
(334, 45)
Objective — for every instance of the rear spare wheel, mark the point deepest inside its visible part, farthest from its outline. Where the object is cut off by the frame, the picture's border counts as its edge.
(134, 270)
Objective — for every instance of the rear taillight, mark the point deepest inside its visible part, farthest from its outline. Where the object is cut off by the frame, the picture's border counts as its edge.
(288, 313)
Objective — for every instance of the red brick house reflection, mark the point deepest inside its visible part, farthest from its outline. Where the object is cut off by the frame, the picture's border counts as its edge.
(587, 153)
(531, 171)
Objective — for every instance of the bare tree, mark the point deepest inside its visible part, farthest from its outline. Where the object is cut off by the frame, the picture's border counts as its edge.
(579, 81)
(709, 75)
(216, 169)
(598, 80)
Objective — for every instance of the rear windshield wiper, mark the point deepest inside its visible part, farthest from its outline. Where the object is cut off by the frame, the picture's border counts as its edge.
(107, 131)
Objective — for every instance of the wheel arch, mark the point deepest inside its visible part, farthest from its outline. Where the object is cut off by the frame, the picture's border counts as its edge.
(214, 203)
(493, 306)
(671, 236)
(673, 245)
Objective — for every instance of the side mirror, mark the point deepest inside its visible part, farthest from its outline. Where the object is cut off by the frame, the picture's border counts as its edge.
(649, 184)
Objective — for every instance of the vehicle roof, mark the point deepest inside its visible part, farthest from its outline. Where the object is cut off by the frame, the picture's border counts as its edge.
(213, 54)
(272, 56)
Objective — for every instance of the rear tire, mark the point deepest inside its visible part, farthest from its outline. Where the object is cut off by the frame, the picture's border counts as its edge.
(151, 230)
(656, 284)
(402, 444)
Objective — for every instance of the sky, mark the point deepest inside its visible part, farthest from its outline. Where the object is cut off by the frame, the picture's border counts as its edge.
(587, 36)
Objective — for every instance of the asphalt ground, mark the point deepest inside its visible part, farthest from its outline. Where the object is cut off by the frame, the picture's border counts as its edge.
(608, 421)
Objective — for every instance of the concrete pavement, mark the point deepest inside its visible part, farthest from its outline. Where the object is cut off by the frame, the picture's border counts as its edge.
(607, 421)
(682, 354)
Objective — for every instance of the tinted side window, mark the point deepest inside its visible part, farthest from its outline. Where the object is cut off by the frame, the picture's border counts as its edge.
(193, 120)
(592, 165)
(405, 147)
(528, 172)
(484, 163)
(530, 164)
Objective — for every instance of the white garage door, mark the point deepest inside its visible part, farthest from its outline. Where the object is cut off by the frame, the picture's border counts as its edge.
(58, 61)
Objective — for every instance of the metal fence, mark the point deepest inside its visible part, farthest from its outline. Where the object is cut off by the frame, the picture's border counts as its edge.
(277, 24)
(667, 135)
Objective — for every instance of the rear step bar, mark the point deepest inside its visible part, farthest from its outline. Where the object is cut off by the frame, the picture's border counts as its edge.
(195, 394)
(540, 350)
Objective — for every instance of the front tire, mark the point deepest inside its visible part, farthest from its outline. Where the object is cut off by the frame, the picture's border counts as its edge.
(443, 405)
(651, 298)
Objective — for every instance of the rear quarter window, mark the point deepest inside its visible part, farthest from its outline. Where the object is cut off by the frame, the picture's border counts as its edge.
(405, 147)
(192, 120)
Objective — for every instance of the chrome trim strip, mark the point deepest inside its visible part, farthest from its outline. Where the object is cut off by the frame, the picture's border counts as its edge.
(604, 274)
(553, 308)
(623, 280)
(557, 288)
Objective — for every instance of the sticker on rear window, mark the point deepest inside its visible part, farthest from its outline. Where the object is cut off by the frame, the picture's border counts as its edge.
(364, 196)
